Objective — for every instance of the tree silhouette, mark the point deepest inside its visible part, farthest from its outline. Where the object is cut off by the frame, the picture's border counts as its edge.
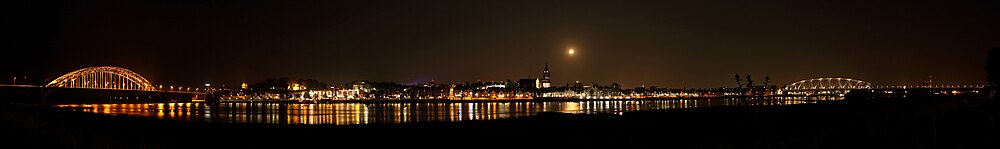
(739, 84)
(767, 83)
(750, 85)
(767, 80)
(993, 71)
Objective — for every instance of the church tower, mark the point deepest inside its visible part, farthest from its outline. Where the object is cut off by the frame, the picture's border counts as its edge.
(546, 83)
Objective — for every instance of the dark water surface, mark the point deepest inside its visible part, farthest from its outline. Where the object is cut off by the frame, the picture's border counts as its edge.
(371, 113)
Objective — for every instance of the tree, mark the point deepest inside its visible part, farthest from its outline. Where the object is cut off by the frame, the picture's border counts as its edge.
(767, 80)
(271, 84)
(993, 71)
(739, 84)
(750, 86)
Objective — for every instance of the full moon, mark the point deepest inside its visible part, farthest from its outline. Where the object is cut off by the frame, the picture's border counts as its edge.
(571, 51)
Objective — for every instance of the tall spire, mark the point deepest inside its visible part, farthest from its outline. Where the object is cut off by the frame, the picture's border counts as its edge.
(545, 73)
(546, 83)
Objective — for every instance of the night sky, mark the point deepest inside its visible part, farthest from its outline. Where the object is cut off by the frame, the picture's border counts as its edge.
(676, 44)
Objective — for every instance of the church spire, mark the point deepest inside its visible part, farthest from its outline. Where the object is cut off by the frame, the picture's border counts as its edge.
(546, 83)
(545, 73)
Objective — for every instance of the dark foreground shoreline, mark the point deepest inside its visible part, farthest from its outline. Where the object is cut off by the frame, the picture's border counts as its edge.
(884, 123)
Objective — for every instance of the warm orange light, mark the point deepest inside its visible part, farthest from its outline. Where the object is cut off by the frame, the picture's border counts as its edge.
(571, 51)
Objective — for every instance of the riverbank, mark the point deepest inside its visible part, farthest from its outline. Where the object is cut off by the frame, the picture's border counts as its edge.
(902, 123)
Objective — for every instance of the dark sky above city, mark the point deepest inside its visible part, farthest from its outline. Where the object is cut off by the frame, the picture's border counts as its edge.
(677, 44)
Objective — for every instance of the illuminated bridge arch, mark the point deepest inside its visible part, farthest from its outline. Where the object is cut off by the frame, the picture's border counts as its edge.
(105, 77)
(825, 86)
(828, 84)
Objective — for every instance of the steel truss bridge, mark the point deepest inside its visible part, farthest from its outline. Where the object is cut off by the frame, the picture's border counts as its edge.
(825, 86)
(842, 86)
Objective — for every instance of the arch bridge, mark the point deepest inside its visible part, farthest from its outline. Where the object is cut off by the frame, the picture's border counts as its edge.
(105, 77)
(111, 84)
(825, 86)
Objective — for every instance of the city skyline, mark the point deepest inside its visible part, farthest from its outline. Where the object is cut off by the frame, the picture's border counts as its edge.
(631, 43)
(501, 74)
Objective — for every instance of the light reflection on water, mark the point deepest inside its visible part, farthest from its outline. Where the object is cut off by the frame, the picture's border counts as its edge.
(368, 113)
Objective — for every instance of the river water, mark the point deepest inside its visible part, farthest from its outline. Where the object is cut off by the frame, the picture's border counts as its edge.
(371, 113)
